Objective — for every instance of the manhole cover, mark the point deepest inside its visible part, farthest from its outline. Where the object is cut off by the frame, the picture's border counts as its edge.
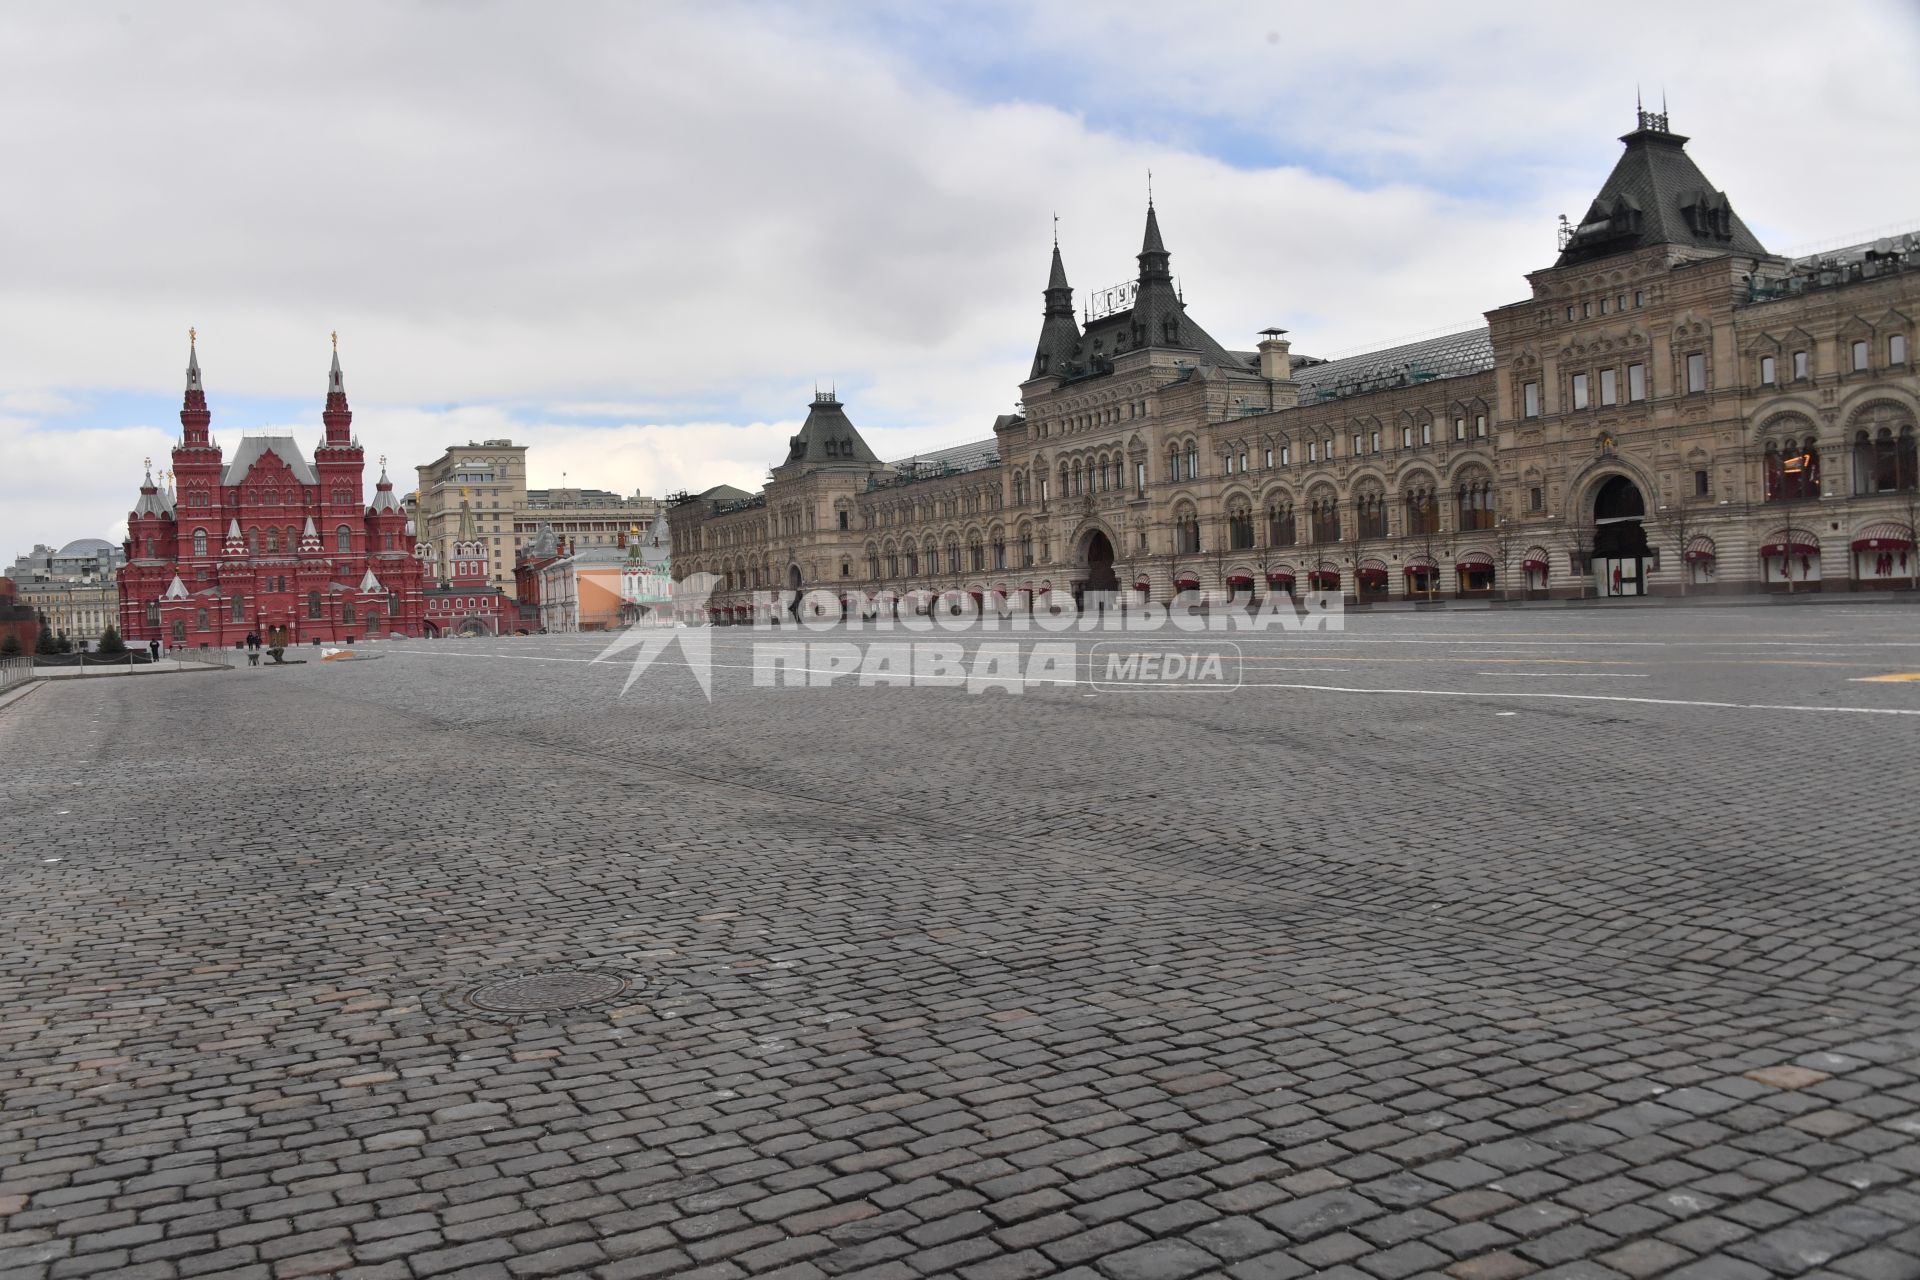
(550, 991)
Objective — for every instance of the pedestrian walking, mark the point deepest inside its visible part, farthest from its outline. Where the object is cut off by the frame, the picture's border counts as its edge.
(253, 648)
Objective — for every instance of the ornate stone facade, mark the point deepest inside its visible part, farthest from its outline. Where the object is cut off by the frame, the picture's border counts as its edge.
(269, 541)
(1672, 409)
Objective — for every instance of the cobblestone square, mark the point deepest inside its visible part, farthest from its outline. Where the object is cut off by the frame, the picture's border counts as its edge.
(1557, 942)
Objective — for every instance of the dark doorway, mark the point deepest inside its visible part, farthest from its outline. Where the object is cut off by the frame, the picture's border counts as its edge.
(1620, 549)
(1100, 575)
(1100, 584)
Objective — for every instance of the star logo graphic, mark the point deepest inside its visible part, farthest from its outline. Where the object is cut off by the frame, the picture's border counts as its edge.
(649, 643)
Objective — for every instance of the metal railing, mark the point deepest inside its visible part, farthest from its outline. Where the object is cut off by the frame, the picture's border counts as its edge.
(15, 671)
(212, 657)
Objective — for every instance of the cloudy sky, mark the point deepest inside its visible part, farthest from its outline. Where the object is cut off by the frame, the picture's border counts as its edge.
(634, 236)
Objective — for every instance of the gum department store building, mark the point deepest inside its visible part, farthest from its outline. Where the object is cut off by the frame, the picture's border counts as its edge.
(1672, 409)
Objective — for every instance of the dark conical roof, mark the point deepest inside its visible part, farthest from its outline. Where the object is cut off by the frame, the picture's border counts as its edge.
(827, 437)
(1058, 352)
(1153, 251)
(1656, 195)
(1151, 242)
(1057, 277)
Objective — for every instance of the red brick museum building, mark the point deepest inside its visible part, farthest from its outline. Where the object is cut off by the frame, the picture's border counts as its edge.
(269, 541)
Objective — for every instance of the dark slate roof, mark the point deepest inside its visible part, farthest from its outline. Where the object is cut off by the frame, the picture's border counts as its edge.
(1058, 349)
(959, 457)
(1451, 356)
(1657, 195)
(1158, 318)
(1149, 316)
(253, 448)
(724, 493)
(827, 437)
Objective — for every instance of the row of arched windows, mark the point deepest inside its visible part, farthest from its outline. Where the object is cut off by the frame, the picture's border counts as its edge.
(1473, 498)
(343, 541)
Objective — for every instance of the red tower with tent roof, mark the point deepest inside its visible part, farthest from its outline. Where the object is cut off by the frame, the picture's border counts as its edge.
(267, 542)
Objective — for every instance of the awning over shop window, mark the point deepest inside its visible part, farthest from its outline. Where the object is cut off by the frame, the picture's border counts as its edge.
(1700, 550)
(1186, 582)
(1886, 536)
(1240, 580)
(1373, 577)
(1790, 548)
(1280, 577)
(1534, 566)
(1141, 584)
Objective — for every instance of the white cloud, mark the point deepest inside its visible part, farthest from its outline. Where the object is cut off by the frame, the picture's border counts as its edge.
(56, 486)
(682, 217)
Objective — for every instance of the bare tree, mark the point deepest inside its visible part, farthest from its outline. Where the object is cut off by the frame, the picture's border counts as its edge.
(1576, 540)
(1910, 507)
(1506, 536)
(1355, 546)
(1429, 509)
(1679, 522)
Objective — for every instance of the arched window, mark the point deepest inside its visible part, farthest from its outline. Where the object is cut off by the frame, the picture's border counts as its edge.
(313, 604)
(1326, 516)
(1193, 462)
(873, 565)
(179, 630)
(953, 555)
(343, 539)
(1240, 525)
(1280, 523)
(200, 620)
(273, 540)
(1473, 497)
(1186, 531)
(253, 542)
(1371, 507)
(199, 542)
(1792, 467)
(1423, 516)
(1883, 459)
(976, 554)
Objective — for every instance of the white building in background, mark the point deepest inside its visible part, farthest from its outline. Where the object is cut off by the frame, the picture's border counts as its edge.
(75, 588)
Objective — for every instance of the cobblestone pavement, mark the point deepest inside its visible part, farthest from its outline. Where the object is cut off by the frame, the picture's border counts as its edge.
(1591, 953)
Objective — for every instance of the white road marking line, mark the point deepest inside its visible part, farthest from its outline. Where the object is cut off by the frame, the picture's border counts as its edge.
(1571, 675)
(1329, 688)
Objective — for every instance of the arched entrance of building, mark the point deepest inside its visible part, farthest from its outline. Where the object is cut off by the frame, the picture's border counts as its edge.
(1620, 552)
(471, 628)
(1097, 574)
